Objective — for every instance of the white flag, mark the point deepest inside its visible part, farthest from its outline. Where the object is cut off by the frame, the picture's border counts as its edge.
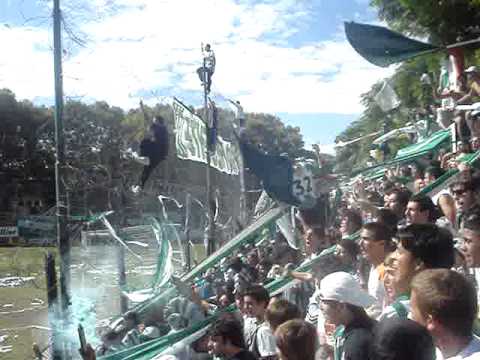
(386, 98)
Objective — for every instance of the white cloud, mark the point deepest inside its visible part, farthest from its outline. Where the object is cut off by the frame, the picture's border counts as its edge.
(141, 45)
(26, 65)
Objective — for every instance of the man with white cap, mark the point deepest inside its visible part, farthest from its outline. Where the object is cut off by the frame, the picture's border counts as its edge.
(343, 304)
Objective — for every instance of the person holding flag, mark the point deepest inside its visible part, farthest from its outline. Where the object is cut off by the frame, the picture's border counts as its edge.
(239, 114)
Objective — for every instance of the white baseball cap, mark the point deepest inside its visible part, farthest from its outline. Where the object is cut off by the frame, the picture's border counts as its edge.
(151, 332)
(471, 69)
(343, 287)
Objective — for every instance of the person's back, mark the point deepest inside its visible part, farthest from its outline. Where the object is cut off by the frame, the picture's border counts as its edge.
(243, 355)
(401, 339)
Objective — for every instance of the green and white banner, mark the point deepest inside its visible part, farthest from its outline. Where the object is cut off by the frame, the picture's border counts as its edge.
(191, 142)
(8, 231)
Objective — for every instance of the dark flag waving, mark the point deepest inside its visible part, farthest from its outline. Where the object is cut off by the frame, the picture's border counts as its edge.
(383, 47)
(275, 171)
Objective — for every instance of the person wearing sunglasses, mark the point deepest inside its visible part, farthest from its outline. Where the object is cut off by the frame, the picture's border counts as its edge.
(463, 192)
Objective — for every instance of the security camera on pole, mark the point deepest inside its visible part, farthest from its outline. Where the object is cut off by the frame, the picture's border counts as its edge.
(205, 74)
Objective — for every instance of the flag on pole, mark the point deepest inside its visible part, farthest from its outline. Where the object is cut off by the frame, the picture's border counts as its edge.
(275, 171)
(386, 98)
(383, 47)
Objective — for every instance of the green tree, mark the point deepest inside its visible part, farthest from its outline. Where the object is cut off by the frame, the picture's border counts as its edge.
(271, 134)
(442, 21)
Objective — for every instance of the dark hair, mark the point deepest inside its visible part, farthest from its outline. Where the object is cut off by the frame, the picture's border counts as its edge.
(428, 243)
(297, 340)
(435, 171)
(238, 295)
(281, 311)
(471, 221)
(388, 218)
(448, 297)
(380, 231)
(314, 217)
(425, 203)
(374, 198)
(360, 316)
(350, 246)
(228, 294)
(235, 264)
(259, 293)
(229, 329)
(400, 339)
(266, 264)
(131, 315)
(403, 195)
(388, 187)
(464, 181)
(354, 218)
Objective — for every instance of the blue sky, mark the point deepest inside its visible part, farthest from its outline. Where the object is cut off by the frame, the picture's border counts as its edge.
(287, 57)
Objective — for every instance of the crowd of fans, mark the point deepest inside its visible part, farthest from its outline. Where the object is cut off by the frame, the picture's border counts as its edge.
(396, 278)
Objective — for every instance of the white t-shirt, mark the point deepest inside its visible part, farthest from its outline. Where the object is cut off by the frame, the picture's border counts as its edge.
(239, 114)
(249, 326)
(313, 308)
(377, 290)
(266, 341)
(471, 352)
(476, 274)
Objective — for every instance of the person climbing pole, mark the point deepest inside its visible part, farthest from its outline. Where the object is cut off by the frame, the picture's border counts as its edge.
(208, 67)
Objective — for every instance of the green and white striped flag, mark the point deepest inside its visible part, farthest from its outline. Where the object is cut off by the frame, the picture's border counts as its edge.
(191, 142)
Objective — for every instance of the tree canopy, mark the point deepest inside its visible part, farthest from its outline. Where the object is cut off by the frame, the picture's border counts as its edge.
(442, 22)
(97, 139)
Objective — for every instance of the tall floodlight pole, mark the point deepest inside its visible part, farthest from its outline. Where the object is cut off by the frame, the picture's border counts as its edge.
(211, 222)
(63, 240)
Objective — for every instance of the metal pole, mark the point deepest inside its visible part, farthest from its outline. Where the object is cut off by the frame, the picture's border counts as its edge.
(211, 223)
(122, 277)
(63, 240)
(118, 203)
(243, 192)
(188, 206)
(52, 302)
(463, 43)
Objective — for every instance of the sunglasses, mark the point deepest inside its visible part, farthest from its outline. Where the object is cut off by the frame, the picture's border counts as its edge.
(459, 192)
